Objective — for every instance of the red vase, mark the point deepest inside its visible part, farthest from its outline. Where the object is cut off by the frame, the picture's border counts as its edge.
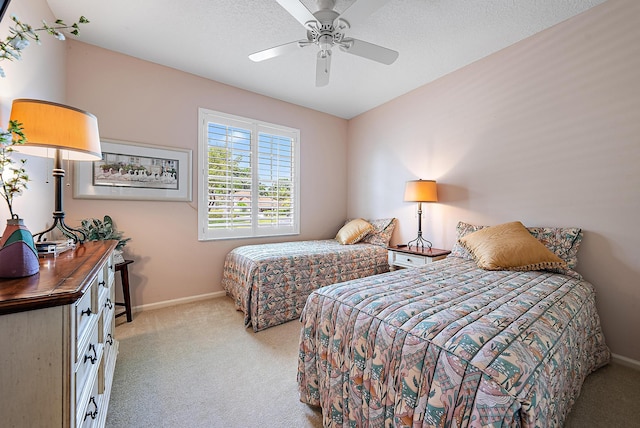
(18, 253)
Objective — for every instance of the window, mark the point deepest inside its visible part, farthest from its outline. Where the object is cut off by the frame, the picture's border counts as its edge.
(249, 178)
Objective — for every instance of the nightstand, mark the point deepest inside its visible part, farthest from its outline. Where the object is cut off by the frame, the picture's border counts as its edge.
(409, 257)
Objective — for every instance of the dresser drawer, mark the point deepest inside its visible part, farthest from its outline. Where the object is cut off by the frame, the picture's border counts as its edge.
(107, 338)
(109, 342)
(105, 298)
(108, 310)
(110, 268)
(90, 410)
(106, 274)
(88, 363)
(86, 316)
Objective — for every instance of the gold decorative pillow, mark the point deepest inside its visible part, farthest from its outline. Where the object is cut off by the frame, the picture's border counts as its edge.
(509, 246)
(354, 231)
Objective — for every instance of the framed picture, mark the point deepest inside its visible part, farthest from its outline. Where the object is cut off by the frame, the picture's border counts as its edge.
(4, 5)
(135, 171)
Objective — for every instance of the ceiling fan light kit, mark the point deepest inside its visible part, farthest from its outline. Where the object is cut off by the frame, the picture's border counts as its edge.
(326, 29)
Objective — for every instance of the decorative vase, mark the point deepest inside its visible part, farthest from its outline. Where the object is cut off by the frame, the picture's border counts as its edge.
(18, 253)
(118, 257)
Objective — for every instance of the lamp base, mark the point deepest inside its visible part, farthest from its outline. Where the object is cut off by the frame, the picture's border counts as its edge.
(78, 236)
(420, 241)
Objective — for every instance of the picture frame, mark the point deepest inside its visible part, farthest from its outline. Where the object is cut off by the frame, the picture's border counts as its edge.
(135, 171)
(4, 5)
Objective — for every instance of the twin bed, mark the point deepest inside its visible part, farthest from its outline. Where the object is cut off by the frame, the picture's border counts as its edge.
(270, 283)
(453, 344)
(502, 333)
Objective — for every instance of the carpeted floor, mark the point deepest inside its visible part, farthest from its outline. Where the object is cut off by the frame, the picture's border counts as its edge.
(195, 365)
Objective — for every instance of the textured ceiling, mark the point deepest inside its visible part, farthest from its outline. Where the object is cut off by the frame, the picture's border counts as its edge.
(212, 39)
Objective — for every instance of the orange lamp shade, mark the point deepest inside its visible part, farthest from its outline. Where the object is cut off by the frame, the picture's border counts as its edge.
(421, 191)
(49, 126)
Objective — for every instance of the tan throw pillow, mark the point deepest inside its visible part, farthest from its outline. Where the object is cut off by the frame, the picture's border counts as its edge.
(353, 231)
(509, 246)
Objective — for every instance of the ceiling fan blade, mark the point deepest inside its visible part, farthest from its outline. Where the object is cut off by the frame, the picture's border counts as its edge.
(323, 67)
(298, 11)
(361, 9)
(369, 51)
(276, 51)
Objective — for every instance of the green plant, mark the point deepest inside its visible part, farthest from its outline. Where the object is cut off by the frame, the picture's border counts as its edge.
(13, 179)
(19, 35)
(103, 230)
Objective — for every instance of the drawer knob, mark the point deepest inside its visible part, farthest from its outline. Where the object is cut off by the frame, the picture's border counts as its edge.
(93, 358)
(108, 304)
(93, 414)
(86, 312)
(103, 283)
(110, 339)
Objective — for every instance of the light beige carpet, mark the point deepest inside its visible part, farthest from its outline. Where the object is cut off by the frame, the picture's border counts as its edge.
(195, 365)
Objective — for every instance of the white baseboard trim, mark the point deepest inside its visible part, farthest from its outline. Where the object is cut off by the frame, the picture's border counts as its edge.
(180, 301)
(634, 364)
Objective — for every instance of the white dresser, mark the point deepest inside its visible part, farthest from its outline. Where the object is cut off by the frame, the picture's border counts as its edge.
(58, 351)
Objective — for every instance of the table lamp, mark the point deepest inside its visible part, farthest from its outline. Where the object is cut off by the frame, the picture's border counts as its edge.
(60, 132)
(420, 191)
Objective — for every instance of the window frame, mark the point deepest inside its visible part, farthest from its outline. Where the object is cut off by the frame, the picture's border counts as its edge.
(256, 127)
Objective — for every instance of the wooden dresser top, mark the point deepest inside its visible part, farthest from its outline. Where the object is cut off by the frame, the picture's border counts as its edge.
(61, 280)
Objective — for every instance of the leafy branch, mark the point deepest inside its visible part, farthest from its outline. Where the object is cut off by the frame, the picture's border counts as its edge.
(21, 33)
(102, 230)
(13, 179)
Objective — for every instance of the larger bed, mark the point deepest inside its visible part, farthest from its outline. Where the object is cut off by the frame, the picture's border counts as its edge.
(270, 283)
(450, 344)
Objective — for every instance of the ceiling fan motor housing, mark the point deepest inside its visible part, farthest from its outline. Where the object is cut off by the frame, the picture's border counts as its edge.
(323, 32)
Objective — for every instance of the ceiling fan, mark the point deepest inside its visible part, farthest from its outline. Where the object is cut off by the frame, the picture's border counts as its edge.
(326, 29)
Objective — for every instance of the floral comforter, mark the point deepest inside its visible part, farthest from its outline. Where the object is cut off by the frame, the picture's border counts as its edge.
(270, 283)
(449, 344)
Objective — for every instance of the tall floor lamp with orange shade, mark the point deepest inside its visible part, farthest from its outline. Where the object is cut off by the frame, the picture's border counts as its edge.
(420, 191)
(60, 132)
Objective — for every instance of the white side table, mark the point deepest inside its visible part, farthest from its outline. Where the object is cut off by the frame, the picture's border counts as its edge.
(408, 257)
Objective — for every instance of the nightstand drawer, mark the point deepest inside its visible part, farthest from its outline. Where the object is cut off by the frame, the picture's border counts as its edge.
(408, 260)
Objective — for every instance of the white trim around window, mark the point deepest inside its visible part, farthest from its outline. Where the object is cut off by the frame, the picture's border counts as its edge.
(248, 177)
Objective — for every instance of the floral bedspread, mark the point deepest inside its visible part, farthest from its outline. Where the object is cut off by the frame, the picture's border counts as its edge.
(270, 283)
(449, 344)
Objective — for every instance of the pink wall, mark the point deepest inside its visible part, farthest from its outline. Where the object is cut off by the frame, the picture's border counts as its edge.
(546, 132)
(143, 102)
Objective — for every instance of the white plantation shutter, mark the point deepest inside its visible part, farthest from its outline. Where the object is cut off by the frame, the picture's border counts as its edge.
(249, 183)
(276, 174)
